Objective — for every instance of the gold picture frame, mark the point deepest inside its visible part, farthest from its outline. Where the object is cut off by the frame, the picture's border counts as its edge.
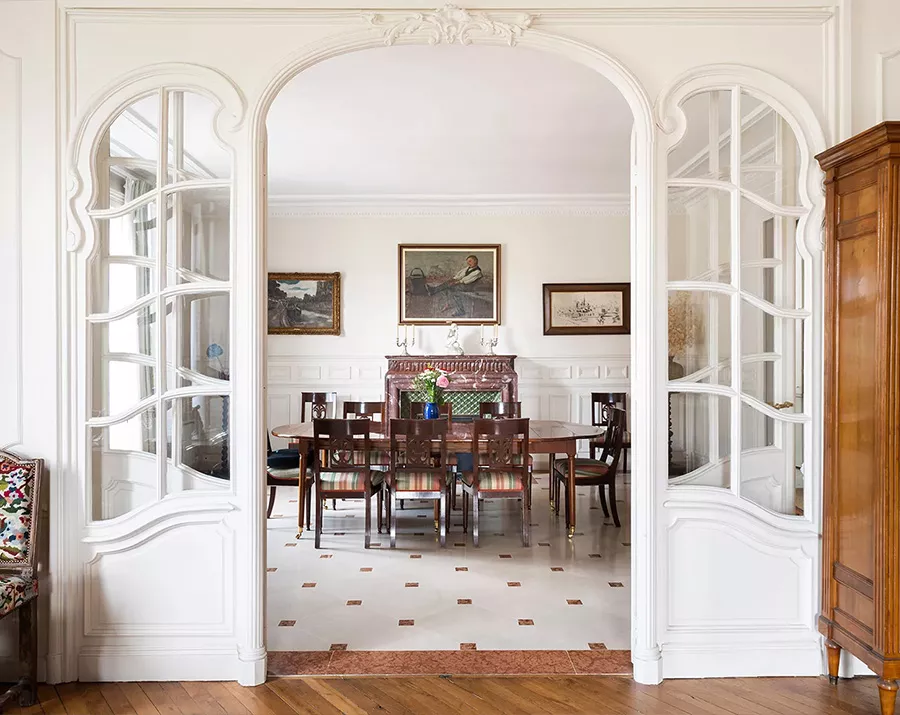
(304, 304)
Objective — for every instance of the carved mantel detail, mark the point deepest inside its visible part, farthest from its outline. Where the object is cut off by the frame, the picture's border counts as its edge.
(448, 25)
(470, 373)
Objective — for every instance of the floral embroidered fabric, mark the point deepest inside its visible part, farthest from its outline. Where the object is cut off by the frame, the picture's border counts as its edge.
(15, 591)
(16, 488)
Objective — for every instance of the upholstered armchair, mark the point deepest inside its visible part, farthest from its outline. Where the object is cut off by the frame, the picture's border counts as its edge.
(20, 482)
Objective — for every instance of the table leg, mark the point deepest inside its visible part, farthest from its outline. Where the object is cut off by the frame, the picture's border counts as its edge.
(570, 493)
(302, 493)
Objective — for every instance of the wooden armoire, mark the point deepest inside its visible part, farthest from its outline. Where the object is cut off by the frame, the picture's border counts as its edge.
(861, 540)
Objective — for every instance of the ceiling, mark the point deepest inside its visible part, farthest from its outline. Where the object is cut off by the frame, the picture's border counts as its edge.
(449, 120)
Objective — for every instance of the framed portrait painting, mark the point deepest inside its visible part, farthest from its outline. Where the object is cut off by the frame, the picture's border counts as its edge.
(304, 304)
(587, 308)
(440, 283)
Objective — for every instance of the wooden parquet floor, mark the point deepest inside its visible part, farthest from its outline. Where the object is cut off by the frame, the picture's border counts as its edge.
(597, 695)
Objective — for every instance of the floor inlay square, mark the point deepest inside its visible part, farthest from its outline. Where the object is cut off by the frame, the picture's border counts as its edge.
(462, 568)
(526, 622)
(411, 584)
(354, 602)
(406, 622)
(513, 584)
(616, 584)
(287, 624)
(338, 646)
(597, 646)
(366, 569)
(574, 602)
(272, 569)
(505, 556)
(463, 601)
(557, 568)
(415, 556)
(309, 584)
(467, 646)
(325, 556)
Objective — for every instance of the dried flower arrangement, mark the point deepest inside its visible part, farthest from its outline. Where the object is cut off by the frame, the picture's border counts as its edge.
(685, 323)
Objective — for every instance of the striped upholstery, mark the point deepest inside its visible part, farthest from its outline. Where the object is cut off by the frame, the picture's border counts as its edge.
(348, 481)
(583, 467)
(377, 457)
(496, 481)
(418, 482)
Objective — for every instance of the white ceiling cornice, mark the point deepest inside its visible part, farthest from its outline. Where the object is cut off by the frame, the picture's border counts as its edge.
(287, 206)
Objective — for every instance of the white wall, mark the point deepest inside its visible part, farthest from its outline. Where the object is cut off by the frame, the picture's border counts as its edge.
(535, 249)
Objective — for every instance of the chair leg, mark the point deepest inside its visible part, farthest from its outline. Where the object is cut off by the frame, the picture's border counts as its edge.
(309, 497)
(271, 506)
(612, 502)
(402, 506)
(465, 510)
(368, 519)
(625, 459)
(603, 506)
(334, 504)
(475, 517)
(558, 483)
(393, 510)
(320, 506)
(443, 518)
(526, 519)
(28, 645)
(380, 508)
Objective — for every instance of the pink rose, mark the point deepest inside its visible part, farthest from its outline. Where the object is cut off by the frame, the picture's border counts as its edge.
(442, 381)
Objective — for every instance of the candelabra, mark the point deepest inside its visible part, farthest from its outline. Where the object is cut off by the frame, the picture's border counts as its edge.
(408, 340)
(490, 343)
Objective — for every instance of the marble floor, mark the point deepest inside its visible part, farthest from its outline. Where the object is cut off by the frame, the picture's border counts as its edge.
(556, 595)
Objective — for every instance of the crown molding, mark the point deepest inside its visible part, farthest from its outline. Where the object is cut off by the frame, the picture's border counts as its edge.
(302, 205)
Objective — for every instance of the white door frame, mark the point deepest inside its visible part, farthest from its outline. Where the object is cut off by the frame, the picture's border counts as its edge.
(452, 25)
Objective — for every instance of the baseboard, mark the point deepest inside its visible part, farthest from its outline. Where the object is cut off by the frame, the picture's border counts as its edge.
(142, 664)
(742, 661)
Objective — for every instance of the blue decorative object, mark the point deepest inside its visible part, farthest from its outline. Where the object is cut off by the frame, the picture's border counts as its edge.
(431, 411)
(214, 351)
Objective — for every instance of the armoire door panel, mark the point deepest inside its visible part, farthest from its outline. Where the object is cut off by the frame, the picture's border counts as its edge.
(857, 403)
(855, 203)
(857, 607)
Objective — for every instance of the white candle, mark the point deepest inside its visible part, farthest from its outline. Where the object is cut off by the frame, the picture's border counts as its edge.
(399, 327)
(482, 333)
(496, 329)
(411, 337)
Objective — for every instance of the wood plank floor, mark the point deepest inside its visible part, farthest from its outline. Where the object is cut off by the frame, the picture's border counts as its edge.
(597, 695)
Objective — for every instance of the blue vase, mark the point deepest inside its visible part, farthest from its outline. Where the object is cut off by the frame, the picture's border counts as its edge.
(431, 411)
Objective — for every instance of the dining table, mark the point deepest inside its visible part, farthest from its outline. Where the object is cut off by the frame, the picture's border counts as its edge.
(544, 437)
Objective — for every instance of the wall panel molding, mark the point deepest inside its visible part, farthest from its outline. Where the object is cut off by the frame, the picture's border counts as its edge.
(12, 420)
(887, 77)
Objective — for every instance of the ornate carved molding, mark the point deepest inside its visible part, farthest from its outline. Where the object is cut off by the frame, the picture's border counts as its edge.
(448, 25)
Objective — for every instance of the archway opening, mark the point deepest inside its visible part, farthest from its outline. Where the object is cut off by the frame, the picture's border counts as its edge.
(388, 178)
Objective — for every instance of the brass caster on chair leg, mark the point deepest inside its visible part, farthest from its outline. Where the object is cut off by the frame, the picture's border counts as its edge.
(571, 531)
(299, 533)
(832, 680)
(436, 525)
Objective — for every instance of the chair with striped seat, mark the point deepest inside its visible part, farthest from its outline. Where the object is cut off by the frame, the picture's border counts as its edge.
(375, 412)
(600, 472)
(506, 410)
(283, 470)
(418, 468)
(338, 474)
(499, 470)
(603, 400)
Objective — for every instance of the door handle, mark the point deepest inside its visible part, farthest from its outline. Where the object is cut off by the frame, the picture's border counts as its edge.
(780, 405)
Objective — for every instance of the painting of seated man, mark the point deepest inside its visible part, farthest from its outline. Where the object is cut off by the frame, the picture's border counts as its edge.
(444, 284)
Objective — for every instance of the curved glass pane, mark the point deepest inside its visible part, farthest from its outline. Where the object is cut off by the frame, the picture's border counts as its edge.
(708, 117)
(194, 150)
(770, 153)
(130, 149)
(133, 333)
(116, 285)
(700, 336)
(118, 385)
(699, 234)
(123, 465)
(699, 439)
(771, 462)
(198, 442)
(198, 338)
(771, 356)
(771, 265)
(198, 235)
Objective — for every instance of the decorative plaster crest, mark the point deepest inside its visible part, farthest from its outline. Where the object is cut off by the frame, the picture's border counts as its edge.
(449, 24)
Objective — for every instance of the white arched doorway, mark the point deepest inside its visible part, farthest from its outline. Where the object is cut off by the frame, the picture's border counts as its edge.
(454, 25)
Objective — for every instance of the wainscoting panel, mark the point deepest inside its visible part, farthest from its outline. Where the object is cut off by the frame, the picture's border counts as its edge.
(549, 388)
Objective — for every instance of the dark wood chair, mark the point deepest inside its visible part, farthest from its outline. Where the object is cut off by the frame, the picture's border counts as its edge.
(282, 470)
(595, 472)
(506, 410)
(375, 412)
(499, 469)
(338, 473)
(418, 468)
(619, 401)
(20, 488)
(317, 406)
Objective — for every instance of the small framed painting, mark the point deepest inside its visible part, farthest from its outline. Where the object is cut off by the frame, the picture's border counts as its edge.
(587, 308)
(304, 304)
(440, 284)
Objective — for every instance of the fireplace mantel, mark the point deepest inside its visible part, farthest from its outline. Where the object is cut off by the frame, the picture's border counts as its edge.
(470, 373)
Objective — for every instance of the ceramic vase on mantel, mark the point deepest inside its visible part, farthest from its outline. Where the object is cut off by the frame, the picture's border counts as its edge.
(431, 411)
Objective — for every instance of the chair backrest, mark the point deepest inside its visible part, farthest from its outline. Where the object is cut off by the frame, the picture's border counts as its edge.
(501, 445)
(417, 410)
(599, 400)
(20, 494)
(359, 410)
(500, 410)
(612, 444)
(419, 445)
(322, 405)
(338, 443)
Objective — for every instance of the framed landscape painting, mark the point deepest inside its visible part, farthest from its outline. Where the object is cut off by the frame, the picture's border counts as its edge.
(440, 284)
(304, 304)
(587, 308)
